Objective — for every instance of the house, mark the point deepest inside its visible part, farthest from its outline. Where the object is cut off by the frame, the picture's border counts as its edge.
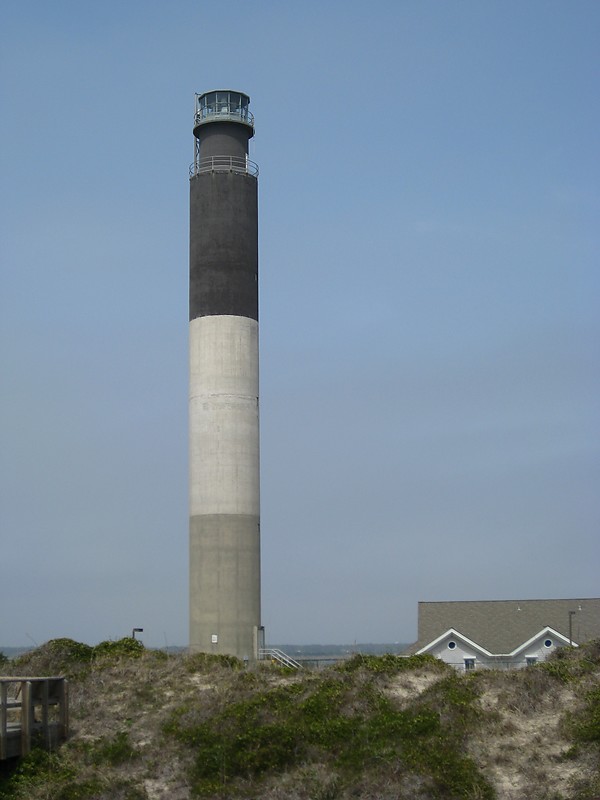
(504, 634)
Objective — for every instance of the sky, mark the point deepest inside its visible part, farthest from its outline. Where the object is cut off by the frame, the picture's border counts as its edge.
(429, 296)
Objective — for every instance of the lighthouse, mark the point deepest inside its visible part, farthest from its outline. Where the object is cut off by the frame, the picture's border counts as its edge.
(224, 500)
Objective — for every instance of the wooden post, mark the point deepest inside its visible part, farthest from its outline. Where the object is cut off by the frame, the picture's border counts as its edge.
(3, 720)
(45, 702)
(63, 709)
(26, 717)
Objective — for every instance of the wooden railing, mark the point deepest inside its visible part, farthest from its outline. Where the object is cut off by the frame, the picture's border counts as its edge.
(33, 711)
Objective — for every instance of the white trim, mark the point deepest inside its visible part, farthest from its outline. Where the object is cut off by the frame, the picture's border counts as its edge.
(453, 632)
(543, 632)
(457, 634)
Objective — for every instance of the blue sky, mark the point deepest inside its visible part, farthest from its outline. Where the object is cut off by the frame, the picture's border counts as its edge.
(429, 308)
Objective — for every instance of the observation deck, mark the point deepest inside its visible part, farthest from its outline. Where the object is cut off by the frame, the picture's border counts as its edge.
(223, 105)
(240, 165)
(219, 145)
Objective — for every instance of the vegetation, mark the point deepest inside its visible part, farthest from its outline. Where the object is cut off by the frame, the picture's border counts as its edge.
(390, 664)
(342, 721)
(71, 658)
(147, 726)
(200, 662)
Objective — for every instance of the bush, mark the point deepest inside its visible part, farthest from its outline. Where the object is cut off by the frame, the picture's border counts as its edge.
(51, 776)
(569, 664)
(115, 751)
(584, 725)
(74, 659)
(206, 662)
(36, 769)
(70, 650)
(342, 721)
(390, 664)
(128, 647)
(55, 657)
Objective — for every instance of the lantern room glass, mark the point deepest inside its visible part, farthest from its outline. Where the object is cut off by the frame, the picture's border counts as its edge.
(223, 104)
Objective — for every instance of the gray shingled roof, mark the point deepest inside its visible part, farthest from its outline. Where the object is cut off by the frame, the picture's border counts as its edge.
(500, 626)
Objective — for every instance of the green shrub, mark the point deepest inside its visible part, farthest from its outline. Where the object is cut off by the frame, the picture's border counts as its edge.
(39, 768)
(563, 670)
(390, 664)
(453, 699)
(569, 664)
(584, 725)
(341, 720)
(78, 790)
(48, 775)
(62, 656)
(205, 662)
(115, 751)
(74, 659)
(128, 647)
(160, 655)
(70, 650)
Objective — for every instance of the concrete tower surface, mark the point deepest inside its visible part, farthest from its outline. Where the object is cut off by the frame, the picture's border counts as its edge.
(224, 435)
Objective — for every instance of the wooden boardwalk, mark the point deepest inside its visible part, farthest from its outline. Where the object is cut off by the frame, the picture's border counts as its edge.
(33, 712)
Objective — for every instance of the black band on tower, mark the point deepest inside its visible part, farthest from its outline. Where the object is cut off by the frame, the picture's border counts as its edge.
(223, 245)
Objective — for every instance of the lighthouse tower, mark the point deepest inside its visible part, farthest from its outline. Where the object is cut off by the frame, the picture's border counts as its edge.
(223, 402)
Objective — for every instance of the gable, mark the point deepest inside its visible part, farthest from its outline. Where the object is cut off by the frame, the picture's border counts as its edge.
(466, 645)
(503, 626)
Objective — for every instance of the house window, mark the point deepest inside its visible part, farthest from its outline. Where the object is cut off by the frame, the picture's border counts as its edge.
(548, 643)
(530, 660)
(451, 645)
(469, 663)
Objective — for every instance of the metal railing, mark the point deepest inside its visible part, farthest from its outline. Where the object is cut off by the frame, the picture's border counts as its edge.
(493, 663)
(32, 710)
(223, 113)
(237, 164)
(279, 656)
